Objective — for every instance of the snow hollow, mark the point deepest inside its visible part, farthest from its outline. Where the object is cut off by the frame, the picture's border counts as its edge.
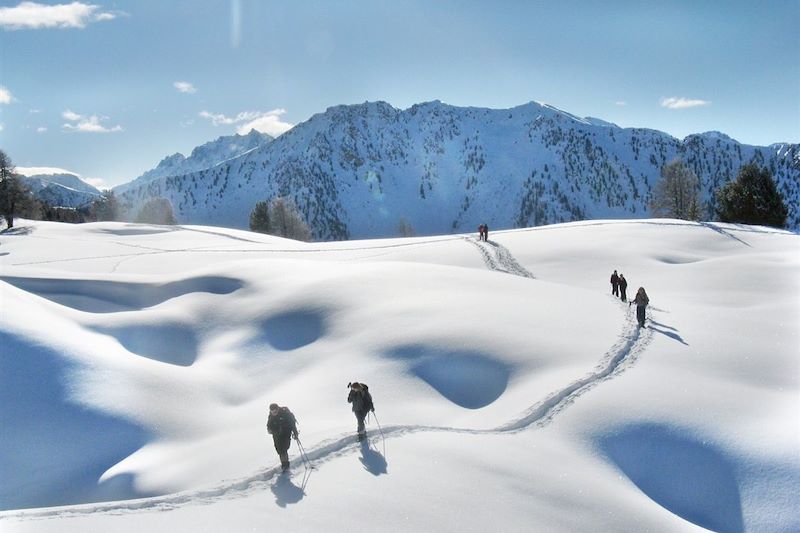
(513, 392)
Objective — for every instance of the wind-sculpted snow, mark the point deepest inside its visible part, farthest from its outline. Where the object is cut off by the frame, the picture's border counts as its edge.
(468, 379)
(49, 440)
(175, 344)
(540, 392)
(693, 479)
(293, 329)
(101, 296)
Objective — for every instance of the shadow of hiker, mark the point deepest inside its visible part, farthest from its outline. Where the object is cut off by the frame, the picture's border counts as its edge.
(672, 334)
(285, 491)
(17, 230)
(373, 461)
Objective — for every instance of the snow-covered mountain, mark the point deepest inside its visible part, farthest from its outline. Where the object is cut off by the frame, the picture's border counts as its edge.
(201, 158)
(58, 187)
(358, 170)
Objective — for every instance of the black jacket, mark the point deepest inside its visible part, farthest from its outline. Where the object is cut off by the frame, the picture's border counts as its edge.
(282, 423)
(361, 400)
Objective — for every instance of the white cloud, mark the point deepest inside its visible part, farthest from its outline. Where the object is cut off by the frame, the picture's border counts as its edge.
(269, 123)
(266, 122)
(5, 96)
(41, 129)
(682, 103)
(30, 15)
(98, 183)
(2, 126)
(184, 87)
(620, 103)
(87, 124)
(69, 115)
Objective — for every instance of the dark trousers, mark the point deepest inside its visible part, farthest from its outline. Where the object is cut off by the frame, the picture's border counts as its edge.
(360, 416)
(640, 314)
(622, 295)
(282, 443)
(615, 289)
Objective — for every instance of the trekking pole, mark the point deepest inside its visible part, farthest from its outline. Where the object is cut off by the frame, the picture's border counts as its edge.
(383, 437)
(303, 454)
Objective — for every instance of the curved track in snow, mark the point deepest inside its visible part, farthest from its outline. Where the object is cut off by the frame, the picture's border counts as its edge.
(619, 357)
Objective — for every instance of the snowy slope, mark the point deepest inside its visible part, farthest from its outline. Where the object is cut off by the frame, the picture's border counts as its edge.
(357, 171)
(513, 392)
(203, 157)
(58, 187)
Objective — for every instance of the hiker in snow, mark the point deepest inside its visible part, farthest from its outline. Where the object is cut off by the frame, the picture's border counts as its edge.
(362, 404)
(480, 232)
(615, 284)
(485, 232)
(623, 286)
(641, 300)
(282, 425)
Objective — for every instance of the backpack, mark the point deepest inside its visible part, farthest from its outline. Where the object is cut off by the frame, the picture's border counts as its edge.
(367, 398)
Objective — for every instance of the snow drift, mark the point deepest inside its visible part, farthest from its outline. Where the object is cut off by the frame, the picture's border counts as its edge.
(512, 391)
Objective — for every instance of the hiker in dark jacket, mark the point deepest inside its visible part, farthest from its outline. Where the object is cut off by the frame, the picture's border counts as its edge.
(623, 286)
(361, 399)
(282, 425)
(485, 232)
(641, 300)
(615, 284)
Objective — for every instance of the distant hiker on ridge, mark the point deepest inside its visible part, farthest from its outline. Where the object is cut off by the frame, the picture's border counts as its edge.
(362, 404)
(641, 300)
(282, 425)
(485, 232)
(623, 286)
(615, 284)
(480, 232)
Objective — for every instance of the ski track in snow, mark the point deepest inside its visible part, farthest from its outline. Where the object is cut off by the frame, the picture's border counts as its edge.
(618, 358)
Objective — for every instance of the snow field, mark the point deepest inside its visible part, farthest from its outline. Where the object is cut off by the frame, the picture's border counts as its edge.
(512, 390)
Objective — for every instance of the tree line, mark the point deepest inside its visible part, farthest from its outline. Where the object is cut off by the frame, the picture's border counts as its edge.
(751, 198)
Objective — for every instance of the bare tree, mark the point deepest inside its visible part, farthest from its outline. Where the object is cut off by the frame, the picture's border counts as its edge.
(157, 211)
(677, 194)
(15, 198)
(404, 228)
(105, 207)
(285, 220)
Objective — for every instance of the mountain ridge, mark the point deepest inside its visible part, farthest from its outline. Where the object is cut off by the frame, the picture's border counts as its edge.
(357, 170)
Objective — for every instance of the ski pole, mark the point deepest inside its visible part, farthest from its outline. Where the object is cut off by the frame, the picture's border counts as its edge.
(303, 453)
(383, 437)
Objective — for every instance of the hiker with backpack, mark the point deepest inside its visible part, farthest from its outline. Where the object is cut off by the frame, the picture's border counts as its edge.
(641, 300)
(282, 425)
(485, 233)
(361, 399)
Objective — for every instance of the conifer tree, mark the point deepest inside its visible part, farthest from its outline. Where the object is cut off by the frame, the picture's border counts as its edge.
(752, 198)
(259, 217)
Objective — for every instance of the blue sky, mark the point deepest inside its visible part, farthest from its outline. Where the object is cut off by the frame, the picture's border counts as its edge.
(107, 89)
